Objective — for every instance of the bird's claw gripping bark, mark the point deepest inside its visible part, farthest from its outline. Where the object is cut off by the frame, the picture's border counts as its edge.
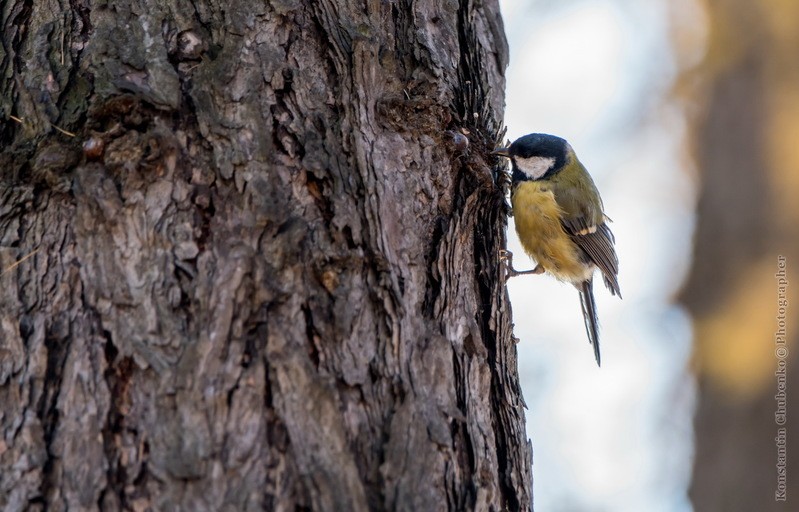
(507, 257)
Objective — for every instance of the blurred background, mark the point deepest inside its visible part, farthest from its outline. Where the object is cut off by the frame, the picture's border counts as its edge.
(686, 112)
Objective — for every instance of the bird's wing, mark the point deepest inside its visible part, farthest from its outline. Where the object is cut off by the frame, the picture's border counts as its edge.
(585, 222)
(596, 240)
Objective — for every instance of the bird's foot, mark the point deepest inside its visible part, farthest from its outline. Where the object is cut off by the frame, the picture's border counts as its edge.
(507, 257)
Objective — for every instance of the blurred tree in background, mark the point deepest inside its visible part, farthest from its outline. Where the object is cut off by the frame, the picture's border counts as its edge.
(745, 141)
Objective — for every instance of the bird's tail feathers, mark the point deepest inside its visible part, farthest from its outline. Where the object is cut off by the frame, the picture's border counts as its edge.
(588, 304)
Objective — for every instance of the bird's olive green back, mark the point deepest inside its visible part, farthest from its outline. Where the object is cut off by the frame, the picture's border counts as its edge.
(576, 193)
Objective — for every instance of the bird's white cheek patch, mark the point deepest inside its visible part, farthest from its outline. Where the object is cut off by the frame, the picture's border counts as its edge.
(535, 166)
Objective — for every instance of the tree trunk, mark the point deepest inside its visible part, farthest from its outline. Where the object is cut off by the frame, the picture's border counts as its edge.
(249, 258)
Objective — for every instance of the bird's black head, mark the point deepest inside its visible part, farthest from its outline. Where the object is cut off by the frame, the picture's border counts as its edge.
(536, 156)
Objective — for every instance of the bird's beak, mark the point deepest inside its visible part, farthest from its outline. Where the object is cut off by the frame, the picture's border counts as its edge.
(502, 152)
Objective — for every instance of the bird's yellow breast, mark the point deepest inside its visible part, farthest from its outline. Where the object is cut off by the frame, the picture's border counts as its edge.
(537, 218)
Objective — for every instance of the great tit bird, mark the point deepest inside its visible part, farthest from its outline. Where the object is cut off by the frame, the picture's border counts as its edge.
(560, 220)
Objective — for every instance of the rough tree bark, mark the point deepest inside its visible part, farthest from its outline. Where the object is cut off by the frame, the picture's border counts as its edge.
(263, 273)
